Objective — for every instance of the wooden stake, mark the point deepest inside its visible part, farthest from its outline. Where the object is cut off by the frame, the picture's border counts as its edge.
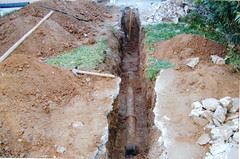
(11, 49)
(130, 24)
(78, 72)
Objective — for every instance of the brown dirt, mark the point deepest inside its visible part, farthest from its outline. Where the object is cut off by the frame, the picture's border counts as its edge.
(59, 33)
(38, 104)
(184, 46)
(180, 86)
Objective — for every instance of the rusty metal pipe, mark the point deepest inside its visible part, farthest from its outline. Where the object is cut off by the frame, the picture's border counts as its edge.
(131, 146)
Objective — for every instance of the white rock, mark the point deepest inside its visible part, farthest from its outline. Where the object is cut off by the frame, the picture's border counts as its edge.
(218, 148)
(222, 133)
(232, 125)
(216, 122)
(235, 105)
(203, 139)
(216, 133)
(226, 102)
(77, 124)
(207, 115)
(220, 114)
(236, 137)
(227, 132)
(231, 153)
(235, 127)
(192, 62)
(210, 104)
(196, 112)
(196, 105)
(60, 149)
(208, 156)
(217, 60)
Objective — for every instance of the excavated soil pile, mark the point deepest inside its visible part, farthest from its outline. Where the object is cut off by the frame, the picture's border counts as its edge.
(187, 45)
(46, 112)
(59, 33)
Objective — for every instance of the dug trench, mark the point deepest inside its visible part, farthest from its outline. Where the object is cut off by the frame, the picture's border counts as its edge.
(131, 120)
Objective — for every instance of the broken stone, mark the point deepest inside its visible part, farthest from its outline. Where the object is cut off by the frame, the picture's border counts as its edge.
(231, 152)
(219, 114)
(218, 148)
(203, 139)
(207, 115)
(196, 105)
(222, 133)
(200, 121)
(216, 122)
(235, 127)
(216, 133)
(60, 149)
(217, 60)
(192, 62)
(211, 104)
(208, 156)
(226, 102)
(231, 116)
(235, 105)
(88, 79)
(77, 124)
(236, 137)
(196, 112)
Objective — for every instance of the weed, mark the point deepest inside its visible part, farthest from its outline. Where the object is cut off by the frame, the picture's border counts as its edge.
(155, 65)
(233, 58)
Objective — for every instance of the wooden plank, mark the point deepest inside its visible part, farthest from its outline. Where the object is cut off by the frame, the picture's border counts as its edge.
(20, 41)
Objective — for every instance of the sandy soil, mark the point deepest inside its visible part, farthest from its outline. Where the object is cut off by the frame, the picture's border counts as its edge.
(43, 108)
(178, 87)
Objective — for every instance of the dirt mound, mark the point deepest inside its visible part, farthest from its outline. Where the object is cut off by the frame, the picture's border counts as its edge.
(38, 104)
(185, 46)
(59, 33)
(25, 74)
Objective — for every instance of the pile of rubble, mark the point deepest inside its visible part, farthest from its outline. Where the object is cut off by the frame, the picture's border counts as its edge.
(166, 11)
(222, 130)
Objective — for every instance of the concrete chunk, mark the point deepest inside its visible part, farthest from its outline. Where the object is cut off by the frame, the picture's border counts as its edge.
(192, 62)
(220, 114)
(211, 104)
(217, 60)
(235, 105)
(203, 139)
(226, 102)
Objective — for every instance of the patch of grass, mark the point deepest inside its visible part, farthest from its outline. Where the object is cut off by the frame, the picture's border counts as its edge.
(85, 57)
(155, 65)
(233, 58)
(165, 31)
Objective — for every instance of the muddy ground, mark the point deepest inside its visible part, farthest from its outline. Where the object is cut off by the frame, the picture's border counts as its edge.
(48, 112)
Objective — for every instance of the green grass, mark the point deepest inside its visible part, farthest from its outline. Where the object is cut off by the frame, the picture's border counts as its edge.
(154, 66)
(165, 31)
(85, 57)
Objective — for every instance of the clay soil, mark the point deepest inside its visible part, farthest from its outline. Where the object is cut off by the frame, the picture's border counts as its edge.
(43, 107)
(59, 33)
(39, 105)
